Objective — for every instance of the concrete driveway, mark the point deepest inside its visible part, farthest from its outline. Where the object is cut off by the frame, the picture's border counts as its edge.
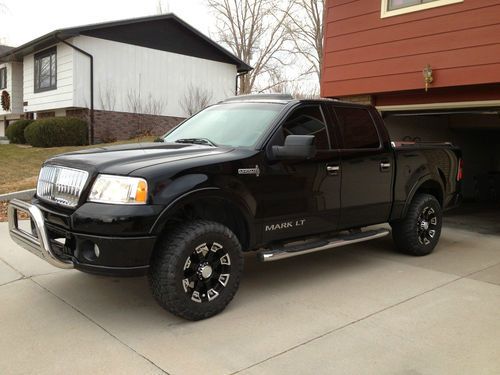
(358, 310)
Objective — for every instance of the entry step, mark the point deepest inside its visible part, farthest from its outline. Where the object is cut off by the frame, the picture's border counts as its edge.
(288, 251)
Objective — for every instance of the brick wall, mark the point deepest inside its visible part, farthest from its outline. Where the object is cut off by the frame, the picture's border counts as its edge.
(45, 114)
(110, 126)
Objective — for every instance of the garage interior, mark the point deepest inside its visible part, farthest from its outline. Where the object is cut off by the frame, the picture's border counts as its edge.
(477, 133)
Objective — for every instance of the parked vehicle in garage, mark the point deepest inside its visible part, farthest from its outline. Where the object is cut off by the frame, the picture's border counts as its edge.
(269, 173)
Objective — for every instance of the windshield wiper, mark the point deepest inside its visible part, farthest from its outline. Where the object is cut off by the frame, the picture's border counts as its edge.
(197, 141)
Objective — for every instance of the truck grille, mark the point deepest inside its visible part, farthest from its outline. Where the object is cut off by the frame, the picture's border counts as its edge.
(61, 185)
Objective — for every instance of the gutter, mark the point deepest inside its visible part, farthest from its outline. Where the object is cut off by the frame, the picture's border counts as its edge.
(91, 128)
(238, 75)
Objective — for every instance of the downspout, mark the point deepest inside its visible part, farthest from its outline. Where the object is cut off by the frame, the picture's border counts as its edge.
(238, 75)
(91, 130)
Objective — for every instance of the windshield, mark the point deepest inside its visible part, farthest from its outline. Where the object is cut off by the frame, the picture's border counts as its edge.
(231, 124)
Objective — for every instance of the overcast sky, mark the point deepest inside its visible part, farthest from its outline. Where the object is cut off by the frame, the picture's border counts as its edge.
(24, 20)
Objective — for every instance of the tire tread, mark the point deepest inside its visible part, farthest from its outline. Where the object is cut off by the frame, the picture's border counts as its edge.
(162, 275)
(403, 231)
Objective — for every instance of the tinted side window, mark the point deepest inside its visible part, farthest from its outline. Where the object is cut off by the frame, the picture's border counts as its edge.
(308, 121)
(357, 128)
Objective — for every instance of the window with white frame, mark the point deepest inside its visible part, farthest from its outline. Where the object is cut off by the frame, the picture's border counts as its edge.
(397, 7)
(398, 4)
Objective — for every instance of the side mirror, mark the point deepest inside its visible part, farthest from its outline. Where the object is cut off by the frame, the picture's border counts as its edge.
(296, 147)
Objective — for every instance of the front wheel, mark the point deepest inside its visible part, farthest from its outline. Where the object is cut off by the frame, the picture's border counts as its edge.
(418, 233)
(196, 270)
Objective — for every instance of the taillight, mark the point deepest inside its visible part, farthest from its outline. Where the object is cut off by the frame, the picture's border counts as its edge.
(460, 173)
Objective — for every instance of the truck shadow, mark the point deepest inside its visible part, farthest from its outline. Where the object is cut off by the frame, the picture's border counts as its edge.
(262, 284)
(115, 301)
(107, 298)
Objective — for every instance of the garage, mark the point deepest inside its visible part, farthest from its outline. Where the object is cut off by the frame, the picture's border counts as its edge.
(477, 132)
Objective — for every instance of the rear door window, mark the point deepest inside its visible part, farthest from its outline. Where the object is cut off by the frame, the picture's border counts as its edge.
(357, 128)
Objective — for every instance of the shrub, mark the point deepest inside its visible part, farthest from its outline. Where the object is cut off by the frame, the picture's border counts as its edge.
(15, 131)
(57, 131)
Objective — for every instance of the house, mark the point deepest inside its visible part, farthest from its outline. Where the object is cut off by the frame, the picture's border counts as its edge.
(124, 77)
(11, 81)
(431, 67)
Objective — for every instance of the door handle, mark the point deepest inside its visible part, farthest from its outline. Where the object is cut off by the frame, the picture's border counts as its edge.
(385, 166)
(333, 169)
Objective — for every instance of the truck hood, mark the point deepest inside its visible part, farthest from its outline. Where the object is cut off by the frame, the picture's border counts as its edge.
(125, 159)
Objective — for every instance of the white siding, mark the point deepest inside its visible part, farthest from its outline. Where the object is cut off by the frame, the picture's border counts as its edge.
(14, 87)
(122, 71)
(62, 96)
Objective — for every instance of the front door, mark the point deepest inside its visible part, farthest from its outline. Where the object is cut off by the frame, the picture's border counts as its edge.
(299, 198)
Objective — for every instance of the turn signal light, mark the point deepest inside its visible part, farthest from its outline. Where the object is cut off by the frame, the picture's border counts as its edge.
(141, 194)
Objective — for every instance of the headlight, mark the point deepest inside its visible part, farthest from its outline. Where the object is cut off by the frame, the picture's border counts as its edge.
(119, 190)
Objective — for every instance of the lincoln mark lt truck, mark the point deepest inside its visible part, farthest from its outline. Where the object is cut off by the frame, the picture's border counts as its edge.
(266, 173)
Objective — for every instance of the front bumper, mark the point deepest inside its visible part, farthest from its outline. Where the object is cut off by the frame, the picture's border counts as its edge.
(64, 248)
(38, 241)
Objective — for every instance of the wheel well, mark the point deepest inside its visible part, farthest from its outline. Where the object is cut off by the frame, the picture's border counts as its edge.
(215, 209)
(433, 188)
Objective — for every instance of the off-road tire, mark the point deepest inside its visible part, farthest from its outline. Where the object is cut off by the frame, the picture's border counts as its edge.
(167, 271)
(407, 233)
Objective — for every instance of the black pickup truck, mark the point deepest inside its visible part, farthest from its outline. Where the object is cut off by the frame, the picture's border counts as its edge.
(271, 174)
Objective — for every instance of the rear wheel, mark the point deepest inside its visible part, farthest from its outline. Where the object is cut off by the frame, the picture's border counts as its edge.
(196, 270)
(419, 232)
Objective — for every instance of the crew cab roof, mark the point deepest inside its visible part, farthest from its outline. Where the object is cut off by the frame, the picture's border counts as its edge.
(283, 99)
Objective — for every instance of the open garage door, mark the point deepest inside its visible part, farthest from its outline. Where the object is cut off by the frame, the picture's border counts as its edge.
(477, 133)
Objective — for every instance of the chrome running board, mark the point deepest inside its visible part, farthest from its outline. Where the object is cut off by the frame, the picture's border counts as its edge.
(283, 252)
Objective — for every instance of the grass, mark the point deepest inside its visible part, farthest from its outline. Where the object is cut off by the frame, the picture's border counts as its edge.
(20, 164)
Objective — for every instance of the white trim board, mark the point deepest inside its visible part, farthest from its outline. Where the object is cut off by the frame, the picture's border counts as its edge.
(450, 105)
(384, 12)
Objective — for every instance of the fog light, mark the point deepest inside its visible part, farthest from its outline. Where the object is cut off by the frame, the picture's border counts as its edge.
(89, 250)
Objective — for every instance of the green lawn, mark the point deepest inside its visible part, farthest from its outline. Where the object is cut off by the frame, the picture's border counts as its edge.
(20, 164)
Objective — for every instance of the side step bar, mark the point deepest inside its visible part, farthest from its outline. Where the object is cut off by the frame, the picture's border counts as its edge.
(270, 255)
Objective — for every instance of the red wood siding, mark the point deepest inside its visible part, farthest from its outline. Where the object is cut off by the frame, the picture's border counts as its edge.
(440, 95)
(365, 54)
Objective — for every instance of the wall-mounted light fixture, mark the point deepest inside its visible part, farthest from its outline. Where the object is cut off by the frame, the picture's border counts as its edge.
(428, 77)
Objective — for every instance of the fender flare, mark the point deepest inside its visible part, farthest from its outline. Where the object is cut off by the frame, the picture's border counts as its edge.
(205, 192)
(418, 184)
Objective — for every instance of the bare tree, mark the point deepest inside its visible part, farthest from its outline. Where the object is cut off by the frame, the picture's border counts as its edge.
(306, 26)
(154, 106)
(195, 99)
(107, 96)
(298, 88)
(144, 105)
(257, 32)
(134, 101)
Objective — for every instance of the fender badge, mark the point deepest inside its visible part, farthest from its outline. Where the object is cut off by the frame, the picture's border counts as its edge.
(255, 171)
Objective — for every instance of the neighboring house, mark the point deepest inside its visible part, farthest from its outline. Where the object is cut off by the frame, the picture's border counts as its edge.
(142, 71)
(385, 52)
(11, 89)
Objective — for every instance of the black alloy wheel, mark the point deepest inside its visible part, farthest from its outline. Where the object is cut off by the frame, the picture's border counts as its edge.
(426, 225)
(206, 272)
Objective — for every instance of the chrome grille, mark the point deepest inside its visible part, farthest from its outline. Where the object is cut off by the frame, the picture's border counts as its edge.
(61, 185)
